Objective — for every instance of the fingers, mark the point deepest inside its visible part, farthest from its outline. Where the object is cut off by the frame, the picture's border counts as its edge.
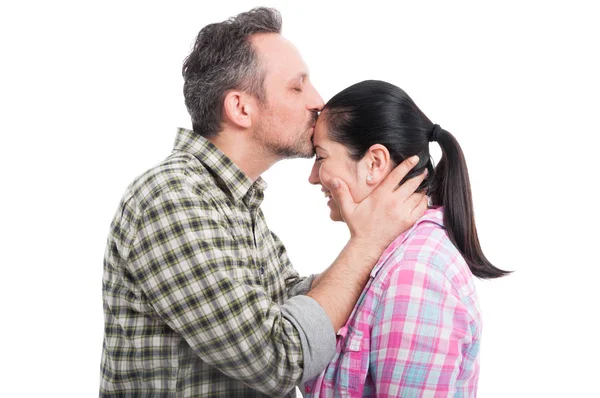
(410, 186)
(399, 172)
(341, 195)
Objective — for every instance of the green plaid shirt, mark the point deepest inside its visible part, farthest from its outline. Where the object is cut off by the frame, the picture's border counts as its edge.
(200, 298)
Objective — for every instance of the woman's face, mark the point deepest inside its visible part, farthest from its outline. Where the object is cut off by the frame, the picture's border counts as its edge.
(332, 160)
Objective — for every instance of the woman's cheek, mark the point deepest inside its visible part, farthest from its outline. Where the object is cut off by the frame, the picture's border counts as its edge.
(324, 175)
(327, 174)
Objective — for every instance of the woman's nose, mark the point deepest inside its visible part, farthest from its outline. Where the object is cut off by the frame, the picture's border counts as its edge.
(313, 178)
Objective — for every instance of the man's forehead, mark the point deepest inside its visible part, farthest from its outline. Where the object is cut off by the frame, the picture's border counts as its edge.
(271, 41)
(277, 51)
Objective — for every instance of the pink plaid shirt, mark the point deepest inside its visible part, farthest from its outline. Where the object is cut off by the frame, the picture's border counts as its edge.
(416, 328)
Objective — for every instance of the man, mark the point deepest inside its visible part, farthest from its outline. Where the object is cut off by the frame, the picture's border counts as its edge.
(200, 298)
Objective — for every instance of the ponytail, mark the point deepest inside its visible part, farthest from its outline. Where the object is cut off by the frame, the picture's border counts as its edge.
(450, 188)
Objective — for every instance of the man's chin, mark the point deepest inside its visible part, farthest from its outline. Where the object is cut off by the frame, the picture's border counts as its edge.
(306, 152)
(308, 155)
(294, 152)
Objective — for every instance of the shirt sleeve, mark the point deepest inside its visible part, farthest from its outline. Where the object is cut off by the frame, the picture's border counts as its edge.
(183, 259)
(295, 284)
(418, 335)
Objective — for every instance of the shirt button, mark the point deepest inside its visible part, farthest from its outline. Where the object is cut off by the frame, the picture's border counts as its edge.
(262, 270)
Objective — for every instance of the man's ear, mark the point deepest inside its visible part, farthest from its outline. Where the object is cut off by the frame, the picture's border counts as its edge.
(238, 108)
(378, 164)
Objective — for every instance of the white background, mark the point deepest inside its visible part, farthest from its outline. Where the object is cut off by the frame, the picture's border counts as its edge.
(91, 94)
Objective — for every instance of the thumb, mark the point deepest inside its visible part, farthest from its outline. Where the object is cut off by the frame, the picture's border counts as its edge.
(341, 195)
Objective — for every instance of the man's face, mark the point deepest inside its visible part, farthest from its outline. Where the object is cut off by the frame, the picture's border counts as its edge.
(286, 121)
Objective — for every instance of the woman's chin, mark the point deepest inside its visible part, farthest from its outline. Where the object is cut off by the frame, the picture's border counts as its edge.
(335, 215)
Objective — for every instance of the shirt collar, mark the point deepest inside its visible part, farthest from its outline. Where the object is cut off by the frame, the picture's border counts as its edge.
(230, 178)
(433, 215)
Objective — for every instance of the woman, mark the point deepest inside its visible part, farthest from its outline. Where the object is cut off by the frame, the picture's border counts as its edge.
(415, 330)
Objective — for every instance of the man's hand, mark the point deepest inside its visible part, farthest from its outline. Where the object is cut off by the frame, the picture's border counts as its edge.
(388, 211)
(374, 223)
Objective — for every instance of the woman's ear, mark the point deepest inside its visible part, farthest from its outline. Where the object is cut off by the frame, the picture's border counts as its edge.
(238, 108)
(378, 164)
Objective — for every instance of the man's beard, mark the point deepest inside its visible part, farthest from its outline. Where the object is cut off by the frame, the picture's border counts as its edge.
(301, 147)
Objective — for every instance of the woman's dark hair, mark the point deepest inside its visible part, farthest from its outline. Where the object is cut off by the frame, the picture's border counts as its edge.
(222, 59)
(375, 112)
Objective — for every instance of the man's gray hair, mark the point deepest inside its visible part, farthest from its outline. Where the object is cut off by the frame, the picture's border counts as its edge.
(224, 59)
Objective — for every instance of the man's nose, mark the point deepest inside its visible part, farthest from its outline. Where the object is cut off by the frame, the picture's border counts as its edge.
(313, 178)
(316, 102)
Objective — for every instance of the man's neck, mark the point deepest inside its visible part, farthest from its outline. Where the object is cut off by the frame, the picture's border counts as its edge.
(249, 156)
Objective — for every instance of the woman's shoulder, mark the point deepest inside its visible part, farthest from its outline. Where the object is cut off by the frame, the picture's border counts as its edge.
(427, 249)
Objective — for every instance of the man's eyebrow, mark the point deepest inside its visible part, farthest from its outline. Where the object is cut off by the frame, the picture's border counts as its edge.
(302, 75)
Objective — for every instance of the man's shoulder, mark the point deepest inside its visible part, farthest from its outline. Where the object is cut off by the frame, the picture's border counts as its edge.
(180, 172)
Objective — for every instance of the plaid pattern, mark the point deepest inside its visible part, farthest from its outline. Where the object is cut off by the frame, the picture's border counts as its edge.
(415, 330)
(193, 280)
